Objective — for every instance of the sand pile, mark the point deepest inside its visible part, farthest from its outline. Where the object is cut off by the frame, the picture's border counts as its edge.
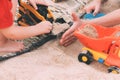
(89, 31)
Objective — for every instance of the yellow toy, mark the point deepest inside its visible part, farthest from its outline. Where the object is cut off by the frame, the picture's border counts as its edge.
(27, 15)
(104, 49)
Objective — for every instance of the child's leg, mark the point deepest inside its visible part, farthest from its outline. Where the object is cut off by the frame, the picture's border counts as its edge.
(9, 45)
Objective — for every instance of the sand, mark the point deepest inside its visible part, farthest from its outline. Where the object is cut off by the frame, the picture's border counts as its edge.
(53, 62)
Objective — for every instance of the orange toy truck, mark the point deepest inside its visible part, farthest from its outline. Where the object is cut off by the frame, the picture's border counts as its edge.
(104, 49)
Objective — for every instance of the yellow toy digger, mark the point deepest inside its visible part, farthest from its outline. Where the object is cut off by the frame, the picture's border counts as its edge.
(27, 15)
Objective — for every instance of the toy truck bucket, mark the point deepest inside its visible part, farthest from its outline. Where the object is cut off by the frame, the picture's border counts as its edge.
(102, 42)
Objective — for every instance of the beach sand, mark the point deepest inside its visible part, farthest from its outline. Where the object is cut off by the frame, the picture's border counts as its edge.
(54, 62)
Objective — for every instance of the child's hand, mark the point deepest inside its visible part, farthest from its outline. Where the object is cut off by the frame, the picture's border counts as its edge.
(34, 2)
(68, 37)
(45, 27)
(93, 6)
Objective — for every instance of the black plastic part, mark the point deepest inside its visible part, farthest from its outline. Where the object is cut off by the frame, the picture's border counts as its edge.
(88, 55)
(60, 20)
(113, 68)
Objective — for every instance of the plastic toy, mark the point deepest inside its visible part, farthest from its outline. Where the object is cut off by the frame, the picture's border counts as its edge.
(91, 16)
(104, 49)
(57, 0)
(27, 15)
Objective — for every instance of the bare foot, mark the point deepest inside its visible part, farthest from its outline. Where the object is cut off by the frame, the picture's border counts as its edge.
(11, 46)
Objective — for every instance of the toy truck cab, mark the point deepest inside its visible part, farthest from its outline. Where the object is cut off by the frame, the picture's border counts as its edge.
(104, 49)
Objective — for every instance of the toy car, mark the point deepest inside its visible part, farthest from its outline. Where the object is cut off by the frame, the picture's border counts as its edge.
(104, 49)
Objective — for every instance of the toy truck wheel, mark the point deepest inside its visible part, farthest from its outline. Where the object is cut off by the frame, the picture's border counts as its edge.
(85, 58)
(114, 69)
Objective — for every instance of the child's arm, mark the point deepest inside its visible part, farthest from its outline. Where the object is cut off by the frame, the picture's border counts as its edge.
(110, 19)
(19, 33)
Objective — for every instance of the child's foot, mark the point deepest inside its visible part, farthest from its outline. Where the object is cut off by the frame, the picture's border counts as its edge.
(11, 46)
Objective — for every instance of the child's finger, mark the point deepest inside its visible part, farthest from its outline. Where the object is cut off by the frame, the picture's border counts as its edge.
(34, 5)
(69, 42)
(67, 38)
(88, 9)
(96, 10)
(75, 17)
(43, 3)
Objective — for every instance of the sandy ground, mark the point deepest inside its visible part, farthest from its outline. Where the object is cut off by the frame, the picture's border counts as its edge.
(53, 62)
